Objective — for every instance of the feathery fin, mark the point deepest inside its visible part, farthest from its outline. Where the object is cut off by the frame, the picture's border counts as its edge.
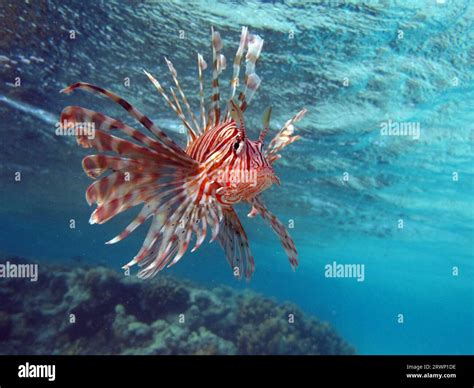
(283, 138)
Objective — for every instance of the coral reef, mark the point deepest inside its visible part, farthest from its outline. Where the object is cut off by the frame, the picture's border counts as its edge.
(84, 310)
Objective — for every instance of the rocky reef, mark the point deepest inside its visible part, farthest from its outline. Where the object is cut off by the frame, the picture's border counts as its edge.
(94, 310)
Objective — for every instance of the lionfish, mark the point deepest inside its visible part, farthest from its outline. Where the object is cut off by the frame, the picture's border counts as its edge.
(186, 192)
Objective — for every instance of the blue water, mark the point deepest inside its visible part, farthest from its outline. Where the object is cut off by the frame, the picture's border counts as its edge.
(354, 67)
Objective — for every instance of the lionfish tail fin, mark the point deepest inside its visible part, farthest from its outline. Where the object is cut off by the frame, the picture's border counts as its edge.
(283, 138)
(286, 241)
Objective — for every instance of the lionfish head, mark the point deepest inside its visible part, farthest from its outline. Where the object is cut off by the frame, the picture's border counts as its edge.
(247, 172)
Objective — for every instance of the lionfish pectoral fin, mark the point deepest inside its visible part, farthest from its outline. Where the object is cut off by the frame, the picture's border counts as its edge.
(180, 216)
(153, 171)
(234, 241)
(185, 213)
(285, 239)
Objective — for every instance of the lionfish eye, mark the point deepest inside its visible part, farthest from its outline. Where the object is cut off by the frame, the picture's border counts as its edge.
(236, 145)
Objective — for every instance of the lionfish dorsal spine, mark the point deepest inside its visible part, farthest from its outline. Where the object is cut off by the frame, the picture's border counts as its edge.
(236, 115)
(252, 80)
(163, 138)
(160, 89)
(214, 111)
(266, 124)
(175, 107)
(234, 83)
(174, 74)
(251, 46)
(190, 132)
(201, 67)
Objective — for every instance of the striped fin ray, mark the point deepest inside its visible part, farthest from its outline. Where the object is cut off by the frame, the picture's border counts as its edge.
(201, 231)
(105, 142)
(234, 83)
(174, 238)
(219, 64)
(175, 108)
(182, 233)
(134, 112)
(243, 102)
(151, 208)
(182, 213)
(167, 238)
(202, 65)
(234, 242)
(97, 165)
(288, 244)
(105, 123)
(157, 244)
(266, 124)
(283, 138)
(237, 115)
(145, 213)
(191, 134)
(215, 218)
(78, 115)
(252, 80)
(174, 74)
(143, 170)
(186, 219)
(117, 184)
(111, 208)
